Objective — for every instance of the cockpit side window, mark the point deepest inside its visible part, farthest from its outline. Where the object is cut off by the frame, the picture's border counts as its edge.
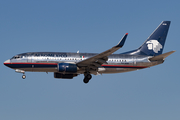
(16, 57)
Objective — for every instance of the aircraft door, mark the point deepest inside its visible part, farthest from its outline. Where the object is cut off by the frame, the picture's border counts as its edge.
(29, 59)
(134, 61)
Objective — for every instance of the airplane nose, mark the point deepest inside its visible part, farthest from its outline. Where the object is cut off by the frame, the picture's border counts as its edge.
(6, 62)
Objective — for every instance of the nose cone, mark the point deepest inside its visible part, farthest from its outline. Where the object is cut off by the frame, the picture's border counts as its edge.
(7, 62)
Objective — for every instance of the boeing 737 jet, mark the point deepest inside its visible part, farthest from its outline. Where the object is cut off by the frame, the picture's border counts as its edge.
(68, 65)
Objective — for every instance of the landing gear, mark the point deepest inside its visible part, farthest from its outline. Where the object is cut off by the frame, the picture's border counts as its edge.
(87, 77)
(21, 71)
(24, 76)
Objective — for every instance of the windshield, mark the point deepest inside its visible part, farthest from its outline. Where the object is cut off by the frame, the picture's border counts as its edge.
(16, 57)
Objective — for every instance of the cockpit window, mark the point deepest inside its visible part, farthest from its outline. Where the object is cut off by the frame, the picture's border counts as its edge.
(16, 57)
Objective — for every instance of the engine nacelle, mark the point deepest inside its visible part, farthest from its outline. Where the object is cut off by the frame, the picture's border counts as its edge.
(64, 76)
(67, 67)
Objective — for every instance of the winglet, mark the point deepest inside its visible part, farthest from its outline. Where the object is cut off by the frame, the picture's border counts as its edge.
(121, 43)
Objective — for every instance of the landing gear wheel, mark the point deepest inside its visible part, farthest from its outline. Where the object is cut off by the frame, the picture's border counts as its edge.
(24, 76)
(87, 78)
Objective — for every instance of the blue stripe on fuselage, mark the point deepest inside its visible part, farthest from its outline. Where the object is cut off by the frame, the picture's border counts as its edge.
(52, 65)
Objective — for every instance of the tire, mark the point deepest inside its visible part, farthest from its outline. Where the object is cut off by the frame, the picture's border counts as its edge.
(88, 76)
(86, 80)
(23, 77)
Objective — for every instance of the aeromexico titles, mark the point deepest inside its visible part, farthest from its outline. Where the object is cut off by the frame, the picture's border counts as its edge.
(69, 65)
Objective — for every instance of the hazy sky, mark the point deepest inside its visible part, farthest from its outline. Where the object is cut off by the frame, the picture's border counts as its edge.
(88, 26)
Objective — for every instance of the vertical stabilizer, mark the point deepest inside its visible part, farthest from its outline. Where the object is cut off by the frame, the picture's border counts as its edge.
(154, 44)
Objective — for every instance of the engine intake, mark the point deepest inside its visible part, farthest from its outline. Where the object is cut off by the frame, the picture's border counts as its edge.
(67, 67)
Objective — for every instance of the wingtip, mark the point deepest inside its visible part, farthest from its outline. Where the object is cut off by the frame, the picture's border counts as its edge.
(122, 41)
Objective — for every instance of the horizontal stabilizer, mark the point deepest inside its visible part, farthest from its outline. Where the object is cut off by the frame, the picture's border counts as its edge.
(162, 56)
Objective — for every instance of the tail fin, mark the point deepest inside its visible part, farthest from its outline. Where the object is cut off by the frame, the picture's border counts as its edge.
(154, 44)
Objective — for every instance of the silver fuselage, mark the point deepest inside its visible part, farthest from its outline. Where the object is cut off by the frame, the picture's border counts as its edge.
(48, 62)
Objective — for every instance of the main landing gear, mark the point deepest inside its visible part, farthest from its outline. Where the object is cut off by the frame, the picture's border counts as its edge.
(87, 77)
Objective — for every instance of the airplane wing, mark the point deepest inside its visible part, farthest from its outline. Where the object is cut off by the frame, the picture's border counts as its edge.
(99, 59)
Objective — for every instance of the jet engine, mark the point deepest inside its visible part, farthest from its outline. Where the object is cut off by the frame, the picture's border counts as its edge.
(64, 76)
(67, 67)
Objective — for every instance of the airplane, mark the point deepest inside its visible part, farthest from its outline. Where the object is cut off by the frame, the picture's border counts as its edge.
(69, 65)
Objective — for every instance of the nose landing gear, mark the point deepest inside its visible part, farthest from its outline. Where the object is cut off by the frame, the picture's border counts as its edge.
(23, 76)
(21, 71)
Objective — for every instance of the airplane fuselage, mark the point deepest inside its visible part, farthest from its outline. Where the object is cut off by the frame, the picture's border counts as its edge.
(48, 62)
